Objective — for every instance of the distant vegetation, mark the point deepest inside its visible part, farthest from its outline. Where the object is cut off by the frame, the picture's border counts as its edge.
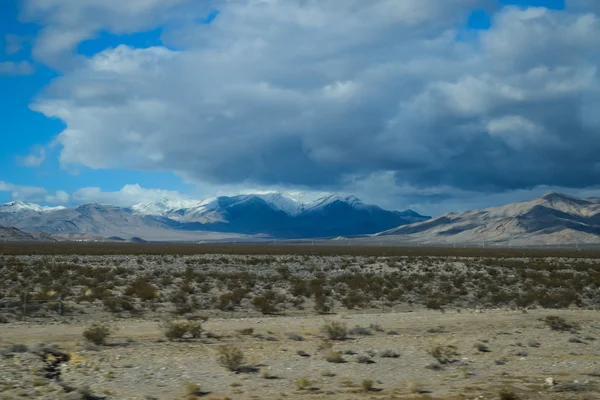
(328, 280)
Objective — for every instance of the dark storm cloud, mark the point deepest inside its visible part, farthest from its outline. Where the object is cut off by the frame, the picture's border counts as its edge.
(323, 93)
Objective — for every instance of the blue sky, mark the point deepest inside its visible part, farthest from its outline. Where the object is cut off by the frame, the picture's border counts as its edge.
(35, 73)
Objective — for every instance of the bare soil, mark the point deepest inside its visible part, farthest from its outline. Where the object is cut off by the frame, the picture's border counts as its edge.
(138, 363)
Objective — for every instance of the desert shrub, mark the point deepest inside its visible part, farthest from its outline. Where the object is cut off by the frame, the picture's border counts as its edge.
(388, 354)
(264, 304)
(353, 299)
(142, 289)
(303, 384)
(322, 304)
(358, 330)
(335, 330)
(194, 328)
(335, 357)
(294, 336)
(364, 360)
(96, 333)
(505, 394)
(117, 304)
(444, 354)
(367, 385)
(482, 347)
(193, 389)
(302, 353)
(18, 348)
(557, 323)
(230, 357)
(434, 303)
(266, 374)
(175, 330)
(246, 331)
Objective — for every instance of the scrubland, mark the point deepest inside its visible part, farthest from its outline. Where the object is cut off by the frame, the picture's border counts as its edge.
(277, 322)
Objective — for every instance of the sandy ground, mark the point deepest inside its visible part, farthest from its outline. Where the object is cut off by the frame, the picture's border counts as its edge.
(138, 363)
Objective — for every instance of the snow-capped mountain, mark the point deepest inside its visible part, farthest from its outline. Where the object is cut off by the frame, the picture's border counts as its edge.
(551, 218)
(199, 210)
(273, 214)
(19, 206)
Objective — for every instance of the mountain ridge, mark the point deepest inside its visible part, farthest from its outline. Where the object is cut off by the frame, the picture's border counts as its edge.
(550, 218)
(269, 214)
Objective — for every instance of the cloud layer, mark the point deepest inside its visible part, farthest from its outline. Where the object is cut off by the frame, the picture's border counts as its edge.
(331, 94)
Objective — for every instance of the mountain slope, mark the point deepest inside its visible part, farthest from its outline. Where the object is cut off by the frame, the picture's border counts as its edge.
(282, 215)
(551, 218)
(16, 235)
(265, 214)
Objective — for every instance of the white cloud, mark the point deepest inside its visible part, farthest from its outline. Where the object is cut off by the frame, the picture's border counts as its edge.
(35, 159)
(34, 194)
(307, 93)
(16, 68)
(127, 196)
(67, 23)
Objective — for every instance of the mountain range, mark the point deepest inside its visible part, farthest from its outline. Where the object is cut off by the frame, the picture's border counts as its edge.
(553, 218)
(249, 216)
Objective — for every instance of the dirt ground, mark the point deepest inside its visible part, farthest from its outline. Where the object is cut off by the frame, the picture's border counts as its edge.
(496, 350)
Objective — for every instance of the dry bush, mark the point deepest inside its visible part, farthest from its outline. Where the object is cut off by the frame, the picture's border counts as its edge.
(303, 384)
(97, 333)
(294, 336)
(358, 330)
(557, 323)
(335, 357)
(175, 330)
(142, 289)
(388, 353)
(193, 389)
(505, 394)
(367, 385)
(194, 329)
(444, 354)
(335, 330)
(230, 357)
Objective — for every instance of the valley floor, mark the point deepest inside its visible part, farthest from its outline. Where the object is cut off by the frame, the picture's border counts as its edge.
(497, 354)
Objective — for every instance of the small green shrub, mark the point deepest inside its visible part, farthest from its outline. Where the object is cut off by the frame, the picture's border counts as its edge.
(142, 289)
(507, 395)
(303, 384)
(96, 333)
(367, 385)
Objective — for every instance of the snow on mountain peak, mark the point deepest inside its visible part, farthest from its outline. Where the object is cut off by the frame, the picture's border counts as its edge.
(164, 206)
(20, 206)
(292, 203)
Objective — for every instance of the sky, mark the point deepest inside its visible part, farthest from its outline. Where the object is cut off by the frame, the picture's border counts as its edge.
(434, 105)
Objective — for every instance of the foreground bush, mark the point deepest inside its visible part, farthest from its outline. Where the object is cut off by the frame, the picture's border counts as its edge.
(97, 333)
(230, 357)
(444, 354)
(335, 331)
(559, 324)
(175, 330)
